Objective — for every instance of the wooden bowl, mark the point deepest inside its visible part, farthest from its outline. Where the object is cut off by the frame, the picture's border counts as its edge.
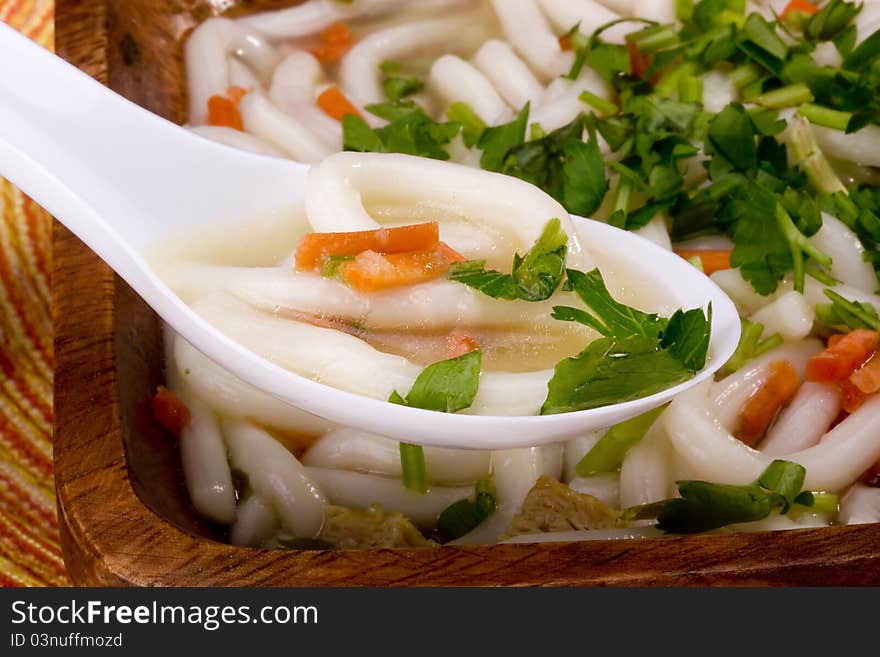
(124, 514)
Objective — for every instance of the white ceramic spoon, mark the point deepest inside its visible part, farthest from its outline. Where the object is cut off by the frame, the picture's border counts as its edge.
(123, 180)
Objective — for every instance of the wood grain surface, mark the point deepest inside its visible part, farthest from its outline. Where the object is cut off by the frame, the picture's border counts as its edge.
(124, 517)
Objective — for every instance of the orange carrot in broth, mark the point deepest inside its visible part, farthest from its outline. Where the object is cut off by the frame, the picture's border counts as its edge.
(170, 411)
(335, 104)
(315, 248)
(371, 271)
(459, 343)
(224, 113)
(759, 411)
(798, 6)
(336, 40)
(712, 260)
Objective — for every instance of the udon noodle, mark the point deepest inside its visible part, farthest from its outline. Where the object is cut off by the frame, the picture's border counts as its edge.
(297, 83)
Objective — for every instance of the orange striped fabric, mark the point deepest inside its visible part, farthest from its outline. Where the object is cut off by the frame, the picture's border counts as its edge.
(29, 551)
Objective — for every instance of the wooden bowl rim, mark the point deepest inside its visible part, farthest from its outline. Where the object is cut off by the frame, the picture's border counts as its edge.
(110, 537)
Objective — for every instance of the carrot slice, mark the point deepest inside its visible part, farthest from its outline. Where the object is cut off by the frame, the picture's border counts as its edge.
(762, 407)
(844, 356)
(851, 396)
(565, 43)
(224, 112)
(335, 104)
(712, 260)
(317, 247)
(371, 271)
(336, 40)
(798, 5)
(459, 343)
(867, 377)
(170, 411)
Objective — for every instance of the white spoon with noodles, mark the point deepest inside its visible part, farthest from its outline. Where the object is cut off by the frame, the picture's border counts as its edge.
(123, 180)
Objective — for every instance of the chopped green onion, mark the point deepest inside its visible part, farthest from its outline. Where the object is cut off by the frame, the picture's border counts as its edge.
(684, 9)
(670, 83)
(852, 313)
(388, 67)
(604, 107)
(330, 266)
(822, 276)
(824, 503)
(412, 465)
(690, 89)
(607, 454)
(805, 151)
(751, 91)
(827, 117)
(473, 126)
(651, 39)
(463, 516)
(790, 96)
(766, 345)
(697, 262)
(749, 337)
(744, 75)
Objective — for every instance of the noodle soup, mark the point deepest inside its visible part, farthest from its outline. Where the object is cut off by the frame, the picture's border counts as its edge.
(711, 133)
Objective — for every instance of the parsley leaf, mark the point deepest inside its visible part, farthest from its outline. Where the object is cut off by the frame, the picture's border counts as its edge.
(472, 126)
(496, 141)
(447, 386)
(686, 337)
(397, 87)
(534, 277)
(410, 131)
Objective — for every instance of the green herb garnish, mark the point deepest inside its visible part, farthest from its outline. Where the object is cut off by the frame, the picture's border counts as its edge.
(462, 517)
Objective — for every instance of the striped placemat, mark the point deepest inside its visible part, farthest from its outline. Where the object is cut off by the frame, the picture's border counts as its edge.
(29, 551)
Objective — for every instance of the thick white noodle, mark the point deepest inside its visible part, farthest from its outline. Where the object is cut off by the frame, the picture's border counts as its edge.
(255, 523)
(805, 420)
(861, 505)
(436, 305)
(515, 473)
(646, 472)
(294, 89)
(732, 392)
(843, 454)
(276, 477)
(528, 32)
(790, 315)
(357, 490)
(622, 7)
(204, 379)
(238, 139)
(565, 14)
(657, 232)
(662, 11)
(359, 74)
(313, 16)
(348, 363)
(827, 54)
(205, 466)
(353, 449)
(553, 456)
(861, 147)
(814, 292)
(561, 103)
(261, 117)
(510, 75)
(847, 254)
(206, 58)
(604, 487)
(455, 80)
(742, 293)
(505, 206)
(241, 75)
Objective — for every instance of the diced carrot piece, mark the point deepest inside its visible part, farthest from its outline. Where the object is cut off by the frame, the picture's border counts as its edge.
(565, 43)
(235, 94)
(712, 260)
(224, 113)
(844, 356)
(867, 377)
(459, 343)
(852, 397)
(335, 104)
(170, 411)
(638, 63)
(317, 247)
(371, 271)
(834, 339)
(336, 40)
(762, 407)
(798, 5)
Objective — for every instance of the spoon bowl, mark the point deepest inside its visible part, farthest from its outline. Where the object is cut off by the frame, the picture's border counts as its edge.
(123, 180)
